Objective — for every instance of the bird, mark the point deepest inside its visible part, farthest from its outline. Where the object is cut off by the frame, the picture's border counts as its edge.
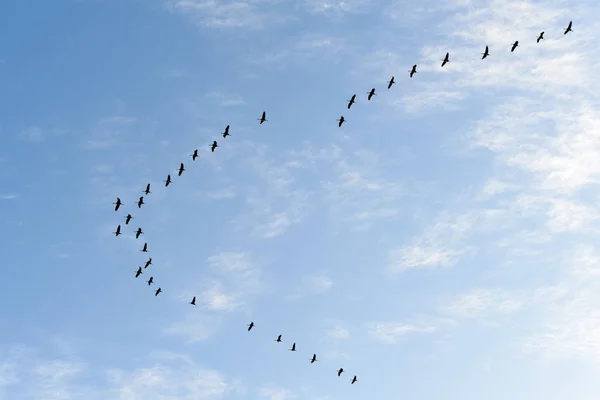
(128, 218)
(413, 70)
(391, 82)
(193, 302)
(213, 146)
(168, 181)
(138, 272)
(293, 347)
(569, 28)
(540, 37)
(157, 292)
(147, 191)
(118, 204)
(278, 340)
(446, 59)
(340, 371)
(351, 101)
(195, 155)
(150, 280)
(341, 121)
(313, 359)
(226, 132)
(181, 169)
(118, 231)
(140, 202)
(138, 233)
(514, 46)
(371, 94)
(148, 263)
(485, 53)
(250, 326)
(354, 379)
(145, 248)
(263, 118)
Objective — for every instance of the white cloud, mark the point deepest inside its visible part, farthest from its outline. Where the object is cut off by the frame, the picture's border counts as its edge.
(276, 393)
(311, 285)
(390, 332)
(338, 333)
(482, 303)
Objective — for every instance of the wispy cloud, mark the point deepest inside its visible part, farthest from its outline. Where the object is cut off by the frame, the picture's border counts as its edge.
(227, 100)
(390, 332)
(311, 285)
(276, 393)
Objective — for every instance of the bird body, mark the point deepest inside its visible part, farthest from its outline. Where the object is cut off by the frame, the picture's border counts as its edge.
(485, 53)
(446, 59)
(150, 280)
(354, 379)
(391, 82)
(195, 155)
(145, 248)
(413, 70)
(250, 326)
(138, 272)
(341, 121)
(278, 340)
(128, 218)
(514, 46)
(138, 233)
(168, 181)
(181, 169)
(226, 132)
(340, 371)
(157, 292)
(313, 359)
(117, 204)
(351, 101)
(540, 37)
(213, 146)
(569, 28)
(263, 118)
(118, 231)
(293, 347)
(148, 263)
(140, 202)
(371, 94)
(147, 191)
(193, 302)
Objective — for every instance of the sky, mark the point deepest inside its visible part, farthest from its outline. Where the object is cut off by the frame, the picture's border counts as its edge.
(441, 244)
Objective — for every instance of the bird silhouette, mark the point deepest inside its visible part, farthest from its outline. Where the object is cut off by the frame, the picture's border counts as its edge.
(150, 281)
(128, 218)
(540, 37)
(278, 340)
(263, 118)
(145, 248)
(391, 82)
(413, 70)
(341, 121)
(293, 347)
(193, 302)
(148, 263)
(147, 191)
(195, 155)
(168, 181)
(118, 231)
(446, 59)
(138, 272)
(340, 371)
(138, 233)
(351, 101)
(181, 169)
(157, 292)
(213, 146)
(313, 359)
(118, 204)
(250, 326)
(371, 94)
(226, 132)
(514, 46)
(140, 202)
(485, 53)
(569, 28)
(354, 380)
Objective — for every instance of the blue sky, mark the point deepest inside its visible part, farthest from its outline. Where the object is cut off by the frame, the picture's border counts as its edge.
(441, 244)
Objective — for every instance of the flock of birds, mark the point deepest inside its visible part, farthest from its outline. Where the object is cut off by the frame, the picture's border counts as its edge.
(138, 232)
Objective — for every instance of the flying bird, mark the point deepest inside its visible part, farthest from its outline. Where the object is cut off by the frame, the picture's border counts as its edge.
(147, 191)
(485, 53)
(293, 347)
(138, 272)
(118, 204)
(313, 359)
(446, 59)
(150, 280)
(540, 37)
(226, 132)
(278, 340)
(195, 155)
(354, 379)
(193, 302)
(263, 118)
(168, 181)
(250, 326)
(340, 371)
(128, 218)
(181, 169)
(213, 146)
(569, 28)
(148, 263)
(514, 46)
(118, 231)
(140, 202)
(341, 121)
(391, 82)
(138, 233)
(371, 94)
(413, 70)
(157, 292)
(145, 248)
(351, 101)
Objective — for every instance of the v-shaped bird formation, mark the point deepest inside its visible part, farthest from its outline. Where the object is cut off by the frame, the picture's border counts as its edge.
(263, 118)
